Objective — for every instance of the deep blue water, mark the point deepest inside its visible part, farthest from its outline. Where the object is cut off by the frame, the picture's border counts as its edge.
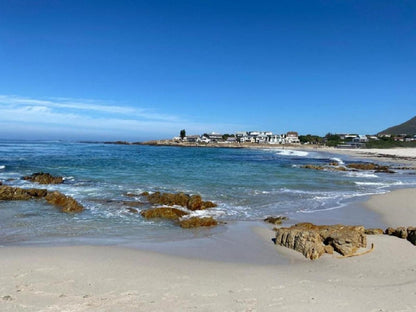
(246, 184)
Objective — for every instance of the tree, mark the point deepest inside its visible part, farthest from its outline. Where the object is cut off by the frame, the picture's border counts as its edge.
(182, 134)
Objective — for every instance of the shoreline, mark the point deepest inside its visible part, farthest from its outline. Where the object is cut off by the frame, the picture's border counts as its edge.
(110, 278)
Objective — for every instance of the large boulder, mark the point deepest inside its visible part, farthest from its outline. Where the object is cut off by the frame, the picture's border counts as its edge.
(309, 239)
(194, 222)
(309, 243)
(66, 203)
(44, 178)
(374, 231)
(164, 212)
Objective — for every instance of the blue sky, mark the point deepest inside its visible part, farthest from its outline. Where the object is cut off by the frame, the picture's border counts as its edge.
(139, 70)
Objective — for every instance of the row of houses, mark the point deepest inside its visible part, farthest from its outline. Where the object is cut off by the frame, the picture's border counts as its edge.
(260, 137)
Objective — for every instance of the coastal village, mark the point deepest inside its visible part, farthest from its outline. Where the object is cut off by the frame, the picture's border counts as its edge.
(339, 140)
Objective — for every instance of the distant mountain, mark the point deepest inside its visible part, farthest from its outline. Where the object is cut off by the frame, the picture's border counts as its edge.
(408, 127)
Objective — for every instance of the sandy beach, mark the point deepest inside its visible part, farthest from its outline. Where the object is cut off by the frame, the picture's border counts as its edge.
(87, 278)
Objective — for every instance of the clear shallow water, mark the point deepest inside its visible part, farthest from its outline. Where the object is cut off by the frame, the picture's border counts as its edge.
(246, 184)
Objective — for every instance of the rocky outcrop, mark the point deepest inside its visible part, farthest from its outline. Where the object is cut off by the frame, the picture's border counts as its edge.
(163, 212)
(310, 239)
(403, 232)
(44, 178)
(374, 231)
(370, 166)
(193, 202)
(275, 220)
(194, 222)
(309, 243)
(66, 203)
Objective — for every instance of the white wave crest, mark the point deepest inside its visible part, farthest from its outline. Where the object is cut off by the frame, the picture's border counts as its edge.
(2, 167)
(338, 160)
(292, 153)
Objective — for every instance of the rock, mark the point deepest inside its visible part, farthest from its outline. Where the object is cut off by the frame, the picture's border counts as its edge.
(197, 222)
(275, 220)
(162, 212)
(144, 194)
(66, 203)
(329, 249)
(400, 232)
(373, 231)
(411, 234)
(370, 166)
(179, 199)
(309, 243)
(303, 238)
(13, 193)
(193, 202)
(315, 167)
(132, 210)
(44, 178)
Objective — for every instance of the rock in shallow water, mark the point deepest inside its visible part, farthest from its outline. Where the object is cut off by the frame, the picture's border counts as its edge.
(163, 212)
(44, 178)
(66, 203)
(194, 222)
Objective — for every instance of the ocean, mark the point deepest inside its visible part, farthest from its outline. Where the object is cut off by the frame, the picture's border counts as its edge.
(247, 185)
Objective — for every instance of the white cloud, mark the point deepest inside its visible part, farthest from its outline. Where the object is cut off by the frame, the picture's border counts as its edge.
(87, 118)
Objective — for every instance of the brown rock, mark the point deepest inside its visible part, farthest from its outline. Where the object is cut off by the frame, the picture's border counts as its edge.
(66, 203)
(275, 220)
(309, 243)
(37, 193)
(44, 178)
(13, 193)
(315, 167)
(373, 231)
(195, 203)
(132, 203)
(329, 249)
(144, 194)
(400, 232)
(132, 210)
(411, 234)
(363, 166)
(197, 222)
(162, 212)
(344, 239)
(168, 199)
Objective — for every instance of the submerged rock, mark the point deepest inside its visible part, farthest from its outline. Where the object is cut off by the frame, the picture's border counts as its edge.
(309, 239)
(44, 178)
(163, 212)
(275, 220)
(194, 222)
(132, 210)
(66, 203)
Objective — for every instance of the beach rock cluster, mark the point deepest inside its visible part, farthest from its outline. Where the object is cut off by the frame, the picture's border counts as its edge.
(193, 202)
(44, 178)
(403, 232)
(275, 220)
(181, 216)
(334, 166)
(65, 203)
(315, 240)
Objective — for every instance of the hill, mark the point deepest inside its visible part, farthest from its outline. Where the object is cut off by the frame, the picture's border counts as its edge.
(408, 127)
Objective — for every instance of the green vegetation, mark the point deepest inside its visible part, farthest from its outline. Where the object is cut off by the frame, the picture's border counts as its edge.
(388, 143)
(332, 139)
(310, 139)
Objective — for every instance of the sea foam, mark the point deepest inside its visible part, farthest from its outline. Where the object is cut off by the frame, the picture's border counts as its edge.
(292, 153)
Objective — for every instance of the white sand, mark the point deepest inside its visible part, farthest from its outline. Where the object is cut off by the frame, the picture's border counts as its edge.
(397, 208)
(120, 279)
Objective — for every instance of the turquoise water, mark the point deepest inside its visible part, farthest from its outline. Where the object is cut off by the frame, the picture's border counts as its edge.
(246, 184)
